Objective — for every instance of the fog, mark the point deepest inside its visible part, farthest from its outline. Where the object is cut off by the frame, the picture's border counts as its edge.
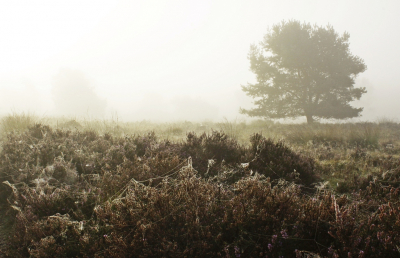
(173, 60)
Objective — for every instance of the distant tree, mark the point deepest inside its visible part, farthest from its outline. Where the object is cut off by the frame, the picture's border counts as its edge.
(74, 96)
(304, 70)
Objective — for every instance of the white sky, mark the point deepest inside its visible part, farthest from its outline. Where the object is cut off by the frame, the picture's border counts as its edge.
(176, 59)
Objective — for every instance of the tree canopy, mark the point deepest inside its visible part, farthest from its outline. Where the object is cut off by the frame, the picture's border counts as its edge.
(304, 70)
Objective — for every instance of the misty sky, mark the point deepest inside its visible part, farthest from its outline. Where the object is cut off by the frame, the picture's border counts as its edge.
(173, 59)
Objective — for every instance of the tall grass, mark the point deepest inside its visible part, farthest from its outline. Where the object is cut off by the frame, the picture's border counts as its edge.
(17, 122)
(359, 134)
(347, 135)
(232, 128)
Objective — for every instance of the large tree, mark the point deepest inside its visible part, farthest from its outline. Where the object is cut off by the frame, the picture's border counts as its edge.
(304, 70)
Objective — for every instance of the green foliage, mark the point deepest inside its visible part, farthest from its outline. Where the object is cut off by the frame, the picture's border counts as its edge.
(304, 70)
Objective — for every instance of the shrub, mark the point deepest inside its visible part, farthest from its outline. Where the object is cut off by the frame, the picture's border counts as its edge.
(276, 160)
(210, 151)
(78, 194)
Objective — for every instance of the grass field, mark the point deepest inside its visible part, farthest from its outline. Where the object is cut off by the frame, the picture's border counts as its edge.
(92, 188)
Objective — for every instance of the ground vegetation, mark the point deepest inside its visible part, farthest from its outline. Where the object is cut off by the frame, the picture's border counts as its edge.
(191, 190)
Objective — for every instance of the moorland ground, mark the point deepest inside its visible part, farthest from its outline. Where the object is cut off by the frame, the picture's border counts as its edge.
(77, 188)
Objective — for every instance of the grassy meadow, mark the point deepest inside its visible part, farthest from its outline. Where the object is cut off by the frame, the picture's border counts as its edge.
(107, 188)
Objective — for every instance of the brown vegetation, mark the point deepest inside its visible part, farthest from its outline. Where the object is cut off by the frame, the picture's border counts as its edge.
(80, 193)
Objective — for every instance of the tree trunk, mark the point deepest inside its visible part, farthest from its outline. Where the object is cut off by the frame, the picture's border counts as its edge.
(310, 119)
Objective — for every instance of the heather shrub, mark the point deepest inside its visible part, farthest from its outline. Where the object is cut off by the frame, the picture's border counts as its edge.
(34, 205)
(368, 226)
(276, 220)
(54, 236)
(276, 160)
(79, 194)
(60, 171)
(182, 208)
(186, 215)
(199, 218)
(145, 143)
(25, 155)
(210, 151)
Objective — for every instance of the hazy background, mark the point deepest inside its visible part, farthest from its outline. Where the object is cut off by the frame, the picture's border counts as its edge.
(172, 59)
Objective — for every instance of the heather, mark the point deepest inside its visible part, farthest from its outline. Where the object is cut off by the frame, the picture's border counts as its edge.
(190, 190)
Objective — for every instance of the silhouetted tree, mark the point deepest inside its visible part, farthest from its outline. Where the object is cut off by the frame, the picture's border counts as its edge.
(304, 70)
